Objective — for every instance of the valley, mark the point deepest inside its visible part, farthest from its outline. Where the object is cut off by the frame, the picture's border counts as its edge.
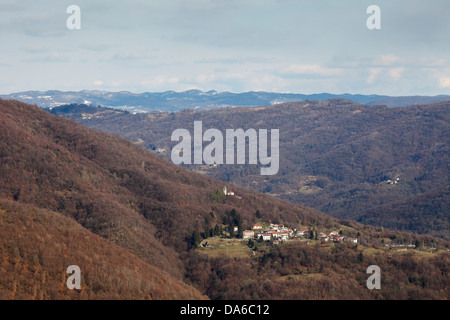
(135, 223)
(336, 156)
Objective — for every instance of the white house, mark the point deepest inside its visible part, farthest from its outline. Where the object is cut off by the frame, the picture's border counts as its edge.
(323, 237)
(302, 233)
(274, 234)
(352, 240)
(283, 236)
(248, 234)
(225, 191)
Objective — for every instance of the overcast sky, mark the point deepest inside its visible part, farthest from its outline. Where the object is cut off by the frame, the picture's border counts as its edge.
(299, 46)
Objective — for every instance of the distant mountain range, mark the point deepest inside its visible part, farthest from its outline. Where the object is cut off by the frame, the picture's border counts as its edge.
(196, 99)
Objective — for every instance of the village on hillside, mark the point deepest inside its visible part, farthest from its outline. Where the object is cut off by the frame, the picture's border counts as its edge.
(237, 241)
(269, 232)
(255, 237)
(232, 233)
(278, 232)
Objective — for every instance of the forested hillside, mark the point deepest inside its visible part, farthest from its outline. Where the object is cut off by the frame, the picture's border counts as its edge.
(374, 164)
(137, 224)
(38, 245)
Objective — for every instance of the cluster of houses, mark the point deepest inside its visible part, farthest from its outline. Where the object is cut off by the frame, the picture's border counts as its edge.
(274, 233)
(278, 232)
(335, 237)
(393, 181)
(230, 193)
(226, 192)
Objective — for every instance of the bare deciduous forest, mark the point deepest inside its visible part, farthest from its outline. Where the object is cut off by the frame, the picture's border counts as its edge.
(131, 220)
(336, 156)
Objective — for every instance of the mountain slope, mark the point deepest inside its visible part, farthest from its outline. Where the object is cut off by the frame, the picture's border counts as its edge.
(38, 245)
(336, 156)
(58, 166)
(69, 194)
(101, 179)
(117, 190)
(424, 213)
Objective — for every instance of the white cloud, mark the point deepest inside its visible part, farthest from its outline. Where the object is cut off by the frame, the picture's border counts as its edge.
(226, 45)
(35, 48)
(267, 82)
(373, 73)
(310, 69)
(444, 82)
(48, 58)
(386, 60)
(205, 78)
(160, 81)
(396, 73)
(235, 75)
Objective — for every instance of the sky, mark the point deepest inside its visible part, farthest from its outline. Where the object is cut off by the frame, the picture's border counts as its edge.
(297, 46)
